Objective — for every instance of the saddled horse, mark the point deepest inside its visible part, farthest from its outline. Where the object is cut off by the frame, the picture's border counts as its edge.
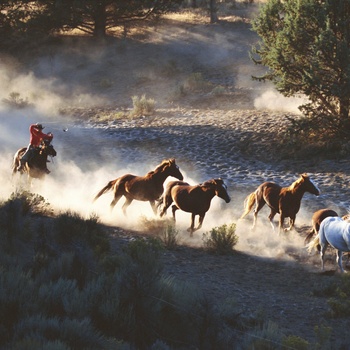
(36, 167)
(192, 199)
(316, 220)
(334, 231)
(146, 188)
(283, 200)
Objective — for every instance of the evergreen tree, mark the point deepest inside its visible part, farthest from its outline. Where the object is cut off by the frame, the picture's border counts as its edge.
(306, 46)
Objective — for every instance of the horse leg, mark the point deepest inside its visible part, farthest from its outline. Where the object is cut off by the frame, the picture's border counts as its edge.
(174, 208)
(115, 200)
(201, 218)
(339, 260)
(126, 204)
(167, 202)
(271, 216)
(291, 223)
(191, 229)
(322, 252)
(258, 205)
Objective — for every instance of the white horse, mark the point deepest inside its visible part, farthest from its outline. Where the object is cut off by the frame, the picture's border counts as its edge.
(334, 231)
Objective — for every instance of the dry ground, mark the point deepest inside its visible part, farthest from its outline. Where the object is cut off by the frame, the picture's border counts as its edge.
(158, 62)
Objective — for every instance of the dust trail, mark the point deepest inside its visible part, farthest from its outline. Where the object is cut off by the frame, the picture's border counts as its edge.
(81, 76)
(274, 101)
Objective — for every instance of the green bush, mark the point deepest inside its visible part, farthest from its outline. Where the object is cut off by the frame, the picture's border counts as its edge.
(294, 342)
(169, 236)
(267, 337)
(221, 240)
(142, 106)
(70, 226)
(338, 292)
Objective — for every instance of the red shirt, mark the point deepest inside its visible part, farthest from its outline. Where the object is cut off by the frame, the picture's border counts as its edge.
(36, 136)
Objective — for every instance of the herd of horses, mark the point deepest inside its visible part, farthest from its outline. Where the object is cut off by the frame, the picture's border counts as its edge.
(327, 227)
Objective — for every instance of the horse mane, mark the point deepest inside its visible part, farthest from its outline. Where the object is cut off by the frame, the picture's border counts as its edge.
(159, 167)
(295, 185)
(210, 182)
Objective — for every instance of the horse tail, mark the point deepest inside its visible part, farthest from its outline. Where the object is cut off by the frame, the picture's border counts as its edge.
(105, 189)
(315, 243)
(248, 204)
(309, 236)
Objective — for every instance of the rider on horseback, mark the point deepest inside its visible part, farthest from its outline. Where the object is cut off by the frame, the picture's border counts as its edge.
(36, 137)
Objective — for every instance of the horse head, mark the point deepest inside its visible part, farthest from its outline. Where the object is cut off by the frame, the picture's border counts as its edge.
(309, 185)
(48, 149)
(172, 168)
(219, 187)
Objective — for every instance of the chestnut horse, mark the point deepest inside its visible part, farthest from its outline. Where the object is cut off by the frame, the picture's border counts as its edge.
(334, 231)
(192, 199)
(283, 200)
(142, 188)
(35, 167)
(316, 220)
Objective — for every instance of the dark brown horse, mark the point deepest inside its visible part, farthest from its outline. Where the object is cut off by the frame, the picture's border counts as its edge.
(283, 200)
(192, 199)
(146, 188)
(36, 168)
(316, 220)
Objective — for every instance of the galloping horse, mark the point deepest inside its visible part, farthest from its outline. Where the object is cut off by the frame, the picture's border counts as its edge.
(143, 188)
(192, 199)
(282, 200)
(35, 167)
(316, 220)
(333, 231)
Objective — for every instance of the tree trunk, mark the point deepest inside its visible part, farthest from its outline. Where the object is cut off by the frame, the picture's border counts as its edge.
(213, 11)
(100, 20)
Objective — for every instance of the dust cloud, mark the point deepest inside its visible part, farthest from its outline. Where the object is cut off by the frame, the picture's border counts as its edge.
(86, 160)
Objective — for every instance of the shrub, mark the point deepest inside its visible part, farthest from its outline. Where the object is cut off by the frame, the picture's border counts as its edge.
(142, 106)
(295, 342)
(268, 336)
(163, 229)
(73, 333)
(30, 203)
(221, 240)
(169, 236)
(195, 82)
(323, 337)
(70, 226)
(139, 278)
(16, 101)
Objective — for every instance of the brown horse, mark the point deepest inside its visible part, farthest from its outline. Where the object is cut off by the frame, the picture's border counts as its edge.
(142, 188)
(36, 167)
(192, 199)
(316, 220)
(283, 200)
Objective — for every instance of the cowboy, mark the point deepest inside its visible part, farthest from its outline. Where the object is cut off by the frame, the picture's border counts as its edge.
(36, 137)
